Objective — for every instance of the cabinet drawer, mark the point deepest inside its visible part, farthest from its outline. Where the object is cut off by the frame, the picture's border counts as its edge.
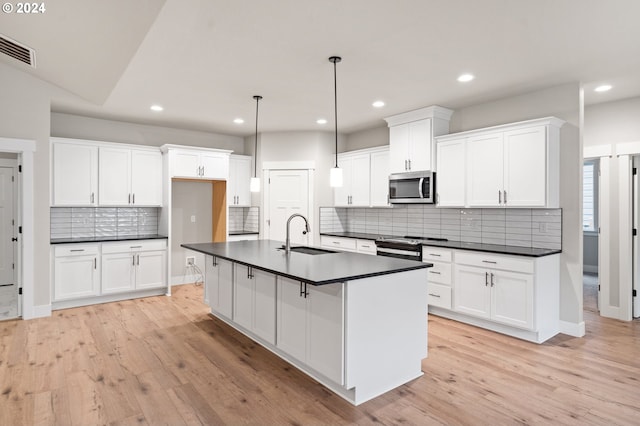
(433, 254)
(366, 246)
(439, 295)
(492, 261)
(133, 245)
(338, 243)
(76, 250)
(440, 273)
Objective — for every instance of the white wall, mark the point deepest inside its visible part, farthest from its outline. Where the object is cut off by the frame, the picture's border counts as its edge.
(378, 136)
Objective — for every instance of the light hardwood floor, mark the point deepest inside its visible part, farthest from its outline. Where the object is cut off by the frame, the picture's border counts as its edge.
(163, 360)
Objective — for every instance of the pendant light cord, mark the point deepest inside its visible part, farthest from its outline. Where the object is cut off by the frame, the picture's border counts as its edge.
(255, 154)
(335, 59)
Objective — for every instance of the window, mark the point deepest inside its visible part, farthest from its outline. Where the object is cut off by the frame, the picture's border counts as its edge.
(589, 197)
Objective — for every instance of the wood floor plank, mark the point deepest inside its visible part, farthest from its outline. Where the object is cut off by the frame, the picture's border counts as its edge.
(164, 360)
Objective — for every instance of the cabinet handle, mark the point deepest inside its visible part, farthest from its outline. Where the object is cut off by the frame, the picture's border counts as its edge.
(133, 197)
(489, 261)
(336, 243)
(434, 272)
(499, 197)
(434, 295)
(486, 279)
(202, 171)
(435, 254)
(505, 197)
(492, 276)
(95, 263)
(92, 197)
(363, 246)
(409, 164)
(77, 250)
(405, 164)
(135, 246)
(129, 202)
(138, 260)
(301, 291)
(437, 198)
(214, 261)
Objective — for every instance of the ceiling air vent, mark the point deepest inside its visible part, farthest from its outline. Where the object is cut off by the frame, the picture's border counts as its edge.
(17, 51)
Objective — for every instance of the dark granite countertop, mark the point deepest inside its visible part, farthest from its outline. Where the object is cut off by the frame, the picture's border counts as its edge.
(106, 239)
(460, 245)
(244, 232)
(313, 269)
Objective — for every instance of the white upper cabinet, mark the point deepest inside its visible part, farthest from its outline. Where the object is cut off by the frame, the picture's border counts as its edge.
(411, 138)
(512, 165)
(197, 163)
(130, 177)
(450, 179)
(238, 192)
(355, 187)
(379, 180)
(74, 173)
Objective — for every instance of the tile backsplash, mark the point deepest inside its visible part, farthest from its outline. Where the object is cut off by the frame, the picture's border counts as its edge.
(515, 227)
(81, 222)
(244, 219)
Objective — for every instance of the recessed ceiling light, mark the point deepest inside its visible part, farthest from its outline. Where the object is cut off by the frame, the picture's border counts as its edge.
(603, 88)
(378, 104)
(238, 121)
(465, 77)
(321, 121)
(156, 108)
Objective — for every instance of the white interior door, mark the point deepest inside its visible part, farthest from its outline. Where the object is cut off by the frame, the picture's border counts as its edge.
(288, 193)
(8, 284)
(636, 247)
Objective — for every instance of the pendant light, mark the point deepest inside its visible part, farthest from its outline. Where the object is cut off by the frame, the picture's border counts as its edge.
(254, 184)
(335, 175)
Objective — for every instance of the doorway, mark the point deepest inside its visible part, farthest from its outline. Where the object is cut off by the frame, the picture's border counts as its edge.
(590, 229)
(9, 287)
(287, 192)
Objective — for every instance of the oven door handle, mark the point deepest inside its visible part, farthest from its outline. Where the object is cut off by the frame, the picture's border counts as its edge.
(420, 183)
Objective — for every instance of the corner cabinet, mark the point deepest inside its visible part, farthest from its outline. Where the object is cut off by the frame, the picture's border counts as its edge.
(366, 178)
(411, 134)
(197, 163)
(512, 165)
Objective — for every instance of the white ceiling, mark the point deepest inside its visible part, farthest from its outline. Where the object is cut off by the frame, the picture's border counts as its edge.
(203, 60)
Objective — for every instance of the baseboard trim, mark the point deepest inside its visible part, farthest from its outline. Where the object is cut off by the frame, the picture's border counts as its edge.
(592, 269)
(572, 328)
(41, 311)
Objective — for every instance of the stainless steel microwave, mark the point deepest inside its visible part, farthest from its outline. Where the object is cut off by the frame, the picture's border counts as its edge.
(412, 187)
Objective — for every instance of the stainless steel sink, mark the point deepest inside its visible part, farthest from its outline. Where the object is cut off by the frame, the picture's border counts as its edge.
(309, 250)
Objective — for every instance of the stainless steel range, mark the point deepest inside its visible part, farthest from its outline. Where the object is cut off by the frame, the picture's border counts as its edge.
(407, 247)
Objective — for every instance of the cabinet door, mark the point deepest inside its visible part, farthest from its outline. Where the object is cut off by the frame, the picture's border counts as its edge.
(472, 293)
(118, 272)
(151, 269)
(239, 179)
(512, 299)
(185, 164)
(243, 297)
(146, 178)
(360, 180)
(75, 174)
(379, 178)
(114, 177)
(398, 148)
(214, 165)
(342, 193)
(420, 145)
(211, 282)
(292, 322)
(450, 179)
(325, 330)
(76, 276)
(485, 170)
(225, 288)
(264, 305)
(525, 171)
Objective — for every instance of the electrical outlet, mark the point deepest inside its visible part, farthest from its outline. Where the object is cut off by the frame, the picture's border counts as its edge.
(191, 260)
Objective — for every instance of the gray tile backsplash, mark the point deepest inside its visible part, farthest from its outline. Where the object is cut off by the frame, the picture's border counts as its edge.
(244, 219)
(515, 227)
(77, 222)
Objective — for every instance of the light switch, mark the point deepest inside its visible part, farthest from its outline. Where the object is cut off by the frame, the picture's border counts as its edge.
(193, 219)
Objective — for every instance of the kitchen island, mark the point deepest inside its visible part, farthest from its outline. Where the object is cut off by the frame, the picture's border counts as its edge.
(355, 323)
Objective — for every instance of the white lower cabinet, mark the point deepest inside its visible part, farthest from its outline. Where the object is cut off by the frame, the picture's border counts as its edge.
(76, 271)
(136, 265)
(219, 285)
(311, 325)
(348, 244)
(254, 301)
